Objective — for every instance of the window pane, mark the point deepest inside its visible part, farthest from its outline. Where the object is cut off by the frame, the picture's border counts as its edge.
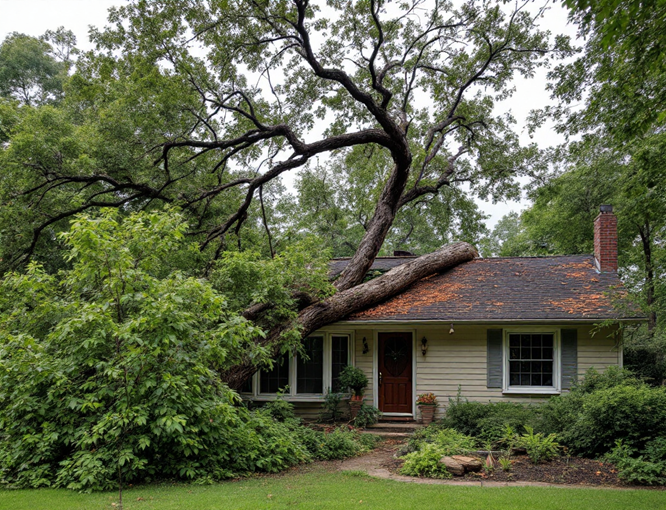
(340, 357)
(247, 386)
(530, 360)
(271, 381)
(310, 372)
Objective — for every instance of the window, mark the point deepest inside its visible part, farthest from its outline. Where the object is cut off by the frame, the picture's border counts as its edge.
(531, 361)
(309, 376)
(277, 378)
(339, 359)
(310, 371)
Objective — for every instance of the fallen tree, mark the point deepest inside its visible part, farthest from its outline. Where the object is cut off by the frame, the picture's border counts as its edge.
(358, 298)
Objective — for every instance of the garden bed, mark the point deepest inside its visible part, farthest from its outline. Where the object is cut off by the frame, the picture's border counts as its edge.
(562, 470)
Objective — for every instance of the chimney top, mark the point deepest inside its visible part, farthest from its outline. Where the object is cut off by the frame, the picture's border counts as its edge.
(605, 240)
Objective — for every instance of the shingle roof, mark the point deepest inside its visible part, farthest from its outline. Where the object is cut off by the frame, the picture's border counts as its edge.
(380, 264)
(516, 288)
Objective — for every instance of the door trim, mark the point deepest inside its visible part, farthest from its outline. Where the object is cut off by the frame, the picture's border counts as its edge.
(375, 366)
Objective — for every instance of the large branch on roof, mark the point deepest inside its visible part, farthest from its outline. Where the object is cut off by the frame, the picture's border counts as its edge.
(360, 297)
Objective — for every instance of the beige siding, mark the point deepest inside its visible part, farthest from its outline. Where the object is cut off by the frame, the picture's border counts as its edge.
(458, 360)
(364, 361)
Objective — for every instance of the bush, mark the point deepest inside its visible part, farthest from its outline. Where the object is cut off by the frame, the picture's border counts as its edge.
(590, 420)
(354, 379)
(331, 407)
(646, 468)
(338, 444)
(429, 445)
(280, 409)
(425, 462)
(487, 421)
(367, 415)
(539, 447)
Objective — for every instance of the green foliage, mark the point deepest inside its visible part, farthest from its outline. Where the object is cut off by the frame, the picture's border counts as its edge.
(29, 72)
(338, 444)
(354, 379)
(431, 444)
(486, 421)
(605, 409)
(112, 365)
(647, 467)
(425, 462)
(367, 415)
(539, 447)
(280, 409)
(331, 407)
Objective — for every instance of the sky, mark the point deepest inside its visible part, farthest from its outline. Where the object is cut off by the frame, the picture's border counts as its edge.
(34, 17)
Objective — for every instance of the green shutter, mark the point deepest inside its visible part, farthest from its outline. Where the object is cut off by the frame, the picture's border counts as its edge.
(569, 357)
(494, 359)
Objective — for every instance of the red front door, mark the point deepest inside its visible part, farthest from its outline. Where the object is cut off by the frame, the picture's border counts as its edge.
(395, 372)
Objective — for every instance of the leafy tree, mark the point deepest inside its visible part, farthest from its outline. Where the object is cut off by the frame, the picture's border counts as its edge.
(205, 105)
(29, 72)
(110, 371)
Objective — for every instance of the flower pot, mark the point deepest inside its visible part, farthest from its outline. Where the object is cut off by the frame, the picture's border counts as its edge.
(354, 406)
(427, 413)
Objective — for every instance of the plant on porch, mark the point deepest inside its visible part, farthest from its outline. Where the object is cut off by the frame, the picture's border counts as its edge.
(427, 404)
(356, 381)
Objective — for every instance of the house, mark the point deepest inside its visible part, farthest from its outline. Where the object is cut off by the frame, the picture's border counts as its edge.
(496, 329)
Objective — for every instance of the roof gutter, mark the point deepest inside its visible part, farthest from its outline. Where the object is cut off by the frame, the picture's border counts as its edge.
(489, 321)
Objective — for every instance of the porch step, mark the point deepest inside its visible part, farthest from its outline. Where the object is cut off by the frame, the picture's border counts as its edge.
(392, 429)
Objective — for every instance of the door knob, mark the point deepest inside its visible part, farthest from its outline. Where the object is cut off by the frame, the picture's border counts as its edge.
(380, 378)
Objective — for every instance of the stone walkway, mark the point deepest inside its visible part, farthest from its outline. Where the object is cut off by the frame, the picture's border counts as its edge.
(374, 464)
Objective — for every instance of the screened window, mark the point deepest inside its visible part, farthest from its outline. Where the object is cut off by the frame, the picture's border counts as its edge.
(531, 359)
(271, 381)
(310, 371)
(339, 359)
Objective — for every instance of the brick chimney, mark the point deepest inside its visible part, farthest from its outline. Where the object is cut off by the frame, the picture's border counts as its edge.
(605, 240)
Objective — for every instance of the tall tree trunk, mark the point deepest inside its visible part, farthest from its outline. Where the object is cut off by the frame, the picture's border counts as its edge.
(646, 240)
(362, 296)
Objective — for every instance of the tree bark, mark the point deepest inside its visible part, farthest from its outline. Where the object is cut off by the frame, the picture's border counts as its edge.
(362, 296)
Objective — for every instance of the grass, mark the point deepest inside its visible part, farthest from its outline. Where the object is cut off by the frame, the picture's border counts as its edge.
(316, 488)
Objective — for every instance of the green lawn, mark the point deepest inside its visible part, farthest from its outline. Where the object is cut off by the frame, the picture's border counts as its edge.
(320, 489)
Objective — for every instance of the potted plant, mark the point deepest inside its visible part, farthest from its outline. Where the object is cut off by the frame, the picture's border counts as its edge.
(427, 404)
(354, 380)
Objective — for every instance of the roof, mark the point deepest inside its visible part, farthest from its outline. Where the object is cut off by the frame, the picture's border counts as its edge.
(380, 264)
(512, 288)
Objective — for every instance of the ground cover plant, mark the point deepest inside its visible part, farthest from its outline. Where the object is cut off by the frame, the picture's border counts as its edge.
(317, 487)
(429, 445)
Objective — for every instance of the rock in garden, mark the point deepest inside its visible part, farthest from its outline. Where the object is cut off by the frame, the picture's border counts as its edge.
(469, 463)
(452, 466)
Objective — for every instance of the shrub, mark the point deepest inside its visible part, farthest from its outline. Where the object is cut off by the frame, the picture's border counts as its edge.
(539, 447)
(367, 415)
(425, 462)
(429, 445)
(646, 468)
(354, 379)
(331, 407)
(487, 421)
(338, 444)
(591, 421)
(280, 409)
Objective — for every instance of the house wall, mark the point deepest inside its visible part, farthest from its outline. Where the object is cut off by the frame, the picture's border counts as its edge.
(459, 360)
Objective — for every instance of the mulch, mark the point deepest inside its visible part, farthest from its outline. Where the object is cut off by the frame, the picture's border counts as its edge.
(562, 470)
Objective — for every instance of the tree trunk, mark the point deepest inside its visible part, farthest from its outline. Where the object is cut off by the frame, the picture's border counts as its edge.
(362, 296)
(646, 239)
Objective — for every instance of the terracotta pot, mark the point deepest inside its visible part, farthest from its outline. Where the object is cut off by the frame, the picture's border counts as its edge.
(354, 406)
(427, 413)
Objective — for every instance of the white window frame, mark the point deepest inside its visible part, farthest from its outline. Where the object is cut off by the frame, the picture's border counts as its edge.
(556, 389)
(292, 393)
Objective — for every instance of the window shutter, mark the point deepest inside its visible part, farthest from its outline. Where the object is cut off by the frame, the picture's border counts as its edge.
(569, 357)
(494, 359)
